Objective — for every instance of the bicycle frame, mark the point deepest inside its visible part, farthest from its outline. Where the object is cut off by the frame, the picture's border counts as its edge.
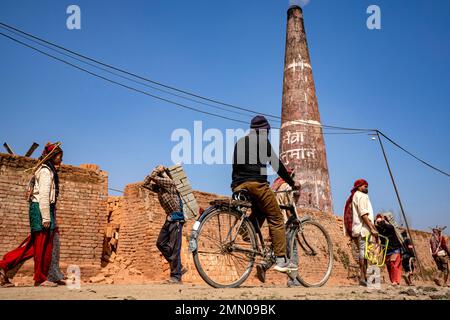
(293, 223)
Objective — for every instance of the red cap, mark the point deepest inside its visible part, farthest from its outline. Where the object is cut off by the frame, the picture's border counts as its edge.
(360, 183)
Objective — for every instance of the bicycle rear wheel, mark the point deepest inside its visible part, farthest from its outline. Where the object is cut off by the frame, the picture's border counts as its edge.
(311, 248)
(221, 262)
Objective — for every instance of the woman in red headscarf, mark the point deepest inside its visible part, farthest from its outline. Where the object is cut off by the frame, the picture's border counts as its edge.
(39, 245)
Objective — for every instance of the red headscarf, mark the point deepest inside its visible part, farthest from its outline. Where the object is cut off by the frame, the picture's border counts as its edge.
(49, 148)
(348, 210)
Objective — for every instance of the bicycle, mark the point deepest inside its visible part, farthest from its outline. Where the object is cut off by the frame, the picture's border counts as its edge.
(225, 244)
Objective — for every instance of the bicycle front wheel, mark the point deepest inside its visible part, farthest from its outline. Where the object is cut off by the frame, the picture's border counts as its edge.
(225, 256)
(310, 247)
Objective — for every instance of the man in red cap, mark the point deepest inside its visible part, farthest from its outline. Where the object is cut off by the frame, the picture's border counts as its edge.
(359, 222)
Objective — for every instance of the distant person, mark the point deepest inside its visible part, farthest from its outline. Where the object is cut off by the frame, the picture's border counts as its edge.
(43, 242)
(250, 158)
(408, 259)
(393, 252)
(279, 186)
(358, 223)
(170, 237)
(440, 254)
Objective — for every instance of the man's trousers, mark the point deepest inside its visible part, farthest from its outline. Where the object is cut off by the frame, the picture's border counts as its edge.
(169, 243)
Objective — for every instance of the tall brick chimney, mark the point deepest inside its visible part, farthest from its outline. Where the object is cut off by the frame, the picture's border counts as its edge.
(302, 145)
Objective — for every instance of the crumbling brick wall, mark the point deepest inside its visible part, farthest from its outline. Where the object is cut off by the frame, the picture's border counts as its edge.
(115, 207)
(142, 218)
(81, 212)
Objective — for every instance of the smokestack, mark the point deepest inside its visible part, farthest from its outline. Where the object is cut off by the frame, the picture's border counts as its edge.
(302, 145)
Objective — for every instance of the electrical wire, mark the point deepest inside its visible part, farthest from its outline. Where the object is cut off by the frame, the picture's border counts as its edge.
(122, 76)
(412, 155)
(356, 130)
(167, 86)
(120, 84)
(146, 93)
(138, 76)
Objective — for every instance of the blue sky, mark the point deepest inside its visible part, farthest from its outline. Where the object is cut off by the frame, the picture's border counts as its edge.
(395, 79)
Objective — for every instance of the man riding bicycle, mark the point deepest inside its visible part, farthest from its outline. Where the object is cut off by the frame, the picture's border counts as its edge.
(250, 158)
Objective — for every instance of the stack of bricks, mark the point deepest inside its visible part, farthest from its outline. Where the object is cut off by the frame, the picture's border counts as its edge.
(190, 206)
(81, 212)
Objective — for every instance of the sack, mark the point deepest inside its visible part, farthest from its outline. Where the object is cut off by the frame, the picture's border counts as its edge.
(441, 253)
(177, 216)
(348, 216)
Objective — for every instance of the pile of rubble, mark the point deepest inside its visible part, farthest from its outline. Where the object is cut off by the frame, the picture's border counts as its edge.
(432, 292)
(120, 271)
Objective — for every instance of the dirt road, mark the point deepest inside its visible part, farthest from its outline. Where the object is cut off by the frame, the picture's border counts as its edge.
(203, 292)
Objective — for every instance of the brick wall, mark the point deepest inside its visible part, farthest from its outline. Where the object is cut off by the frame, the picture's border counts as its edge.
(81, 212)
(142, 217)
(84, 210)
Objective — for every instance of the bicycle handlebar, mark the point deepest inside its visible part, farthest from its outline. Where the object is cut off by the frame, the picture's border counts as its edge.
(288, 191)
(285, 191)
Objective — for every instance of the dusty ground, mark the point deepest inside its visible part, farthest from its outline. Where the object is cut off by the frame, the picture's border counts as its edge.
(204, 292)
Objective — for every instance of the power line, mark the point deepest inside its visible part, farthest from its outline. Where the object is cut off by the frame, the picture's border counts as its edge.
(138, 76)
(170, 87)
(412, 155)
(122, 76)
(356, 131)
(138, 90)
(120, 84)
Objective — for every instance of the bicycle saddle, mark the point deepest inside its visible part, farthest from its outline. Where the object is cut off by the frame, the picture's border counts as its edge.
(239, 198)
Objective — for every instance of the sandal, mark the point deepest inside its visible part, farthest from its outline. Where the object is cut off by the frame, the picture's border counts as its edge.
(4, 280)
(437, 282)
(61, 282)
(46, 283)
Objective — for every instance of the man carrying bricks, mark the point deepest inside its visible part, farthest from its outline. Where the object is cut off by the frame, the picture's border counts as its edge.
(250, 158)
(43, 242)
(359, 223)
(170, 236)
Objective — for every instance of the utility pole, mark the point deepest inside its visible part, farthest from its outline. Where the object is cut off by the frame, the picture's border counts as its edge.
(400, 203)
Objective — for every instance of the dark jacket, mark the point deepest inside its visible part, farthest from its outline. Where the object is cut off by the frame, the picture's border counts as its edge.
(250, 158)
(408, 248)
(386, 229)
